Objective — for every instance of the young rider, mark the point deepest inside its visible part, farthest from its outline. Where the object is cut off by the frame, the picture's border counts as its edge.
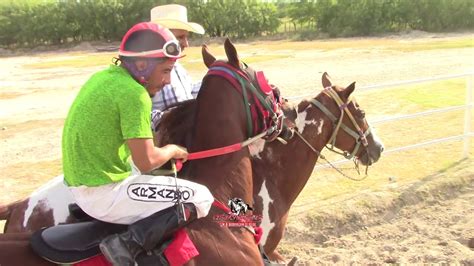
(108, 126)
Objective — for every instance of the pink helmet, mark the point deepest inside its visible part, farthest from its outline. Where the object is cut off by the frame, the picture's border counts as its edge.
(170, 49)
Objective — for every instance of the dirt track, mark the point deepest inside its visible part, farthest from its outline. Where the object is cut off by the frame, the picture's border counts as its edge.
(431, 221)
(34, 102)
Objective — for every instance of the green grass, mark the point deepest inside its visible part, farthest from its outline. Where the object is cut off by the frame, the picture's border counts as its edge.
(413, 98)
(431, 45)
(437, 95)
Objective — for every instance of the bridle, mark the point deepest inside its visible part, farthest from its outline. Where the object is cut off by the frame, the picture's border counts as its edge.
(359, 135)
(251, 84)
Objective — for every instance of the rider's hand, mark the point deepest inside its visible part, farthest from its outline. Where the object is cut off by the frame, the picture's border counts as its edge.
(180, 153)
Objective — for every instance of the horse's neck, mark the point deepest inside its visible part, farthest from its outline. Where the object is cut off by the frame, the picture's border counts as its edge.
(226, 178)
(290, 165)
(287, 173)
(220, 121)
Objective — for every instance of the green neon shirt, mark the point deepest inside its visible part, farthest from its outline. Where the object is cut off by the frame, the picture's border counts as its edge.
(110, 108)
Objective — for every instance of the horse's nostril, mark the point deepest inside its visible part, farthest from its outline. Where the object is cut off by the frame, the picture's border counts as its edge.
(381, 148)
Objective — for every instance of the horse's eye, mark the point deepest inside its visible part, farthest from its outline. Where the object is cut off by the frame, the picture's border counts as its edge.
(362, 114)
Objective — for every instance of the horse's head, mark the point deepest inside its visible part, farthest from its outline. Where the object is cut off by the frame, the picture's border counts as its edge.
(261, 100)
(350, 131)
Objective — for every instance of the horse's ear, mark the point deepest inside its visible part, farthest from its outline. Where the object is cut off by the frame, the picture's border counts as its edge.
(231, 53)
(326, 80)
(349, 90)
(207, 57)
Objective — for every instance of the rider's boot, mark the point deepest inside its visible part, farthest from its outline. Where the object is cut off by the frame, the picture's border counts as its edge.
(146, 234)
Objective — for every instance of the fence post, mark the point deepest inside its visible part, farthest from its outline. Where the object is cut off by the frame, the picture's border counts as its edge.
(468, 117)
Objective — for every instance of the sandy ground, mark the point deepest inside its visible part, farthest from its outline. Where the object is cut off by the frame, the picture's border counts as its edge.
(34, 103)
(430, 221)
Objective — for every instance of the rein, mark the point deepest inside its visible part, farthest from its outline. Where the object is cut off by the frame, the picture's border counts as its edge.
(222, 150)
(271, 110)
(327, 161)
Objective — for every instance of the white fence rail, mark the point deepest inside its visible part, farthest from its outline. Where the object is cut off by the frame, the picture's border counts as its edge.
(466, 136)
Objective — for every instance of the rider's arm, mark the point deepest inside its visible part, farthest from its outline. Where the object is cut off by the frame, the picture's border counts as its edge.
(147, 157)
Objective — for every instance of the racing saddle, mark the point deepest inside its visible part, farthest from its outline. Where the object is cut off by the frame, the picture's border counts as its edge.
(76, 242)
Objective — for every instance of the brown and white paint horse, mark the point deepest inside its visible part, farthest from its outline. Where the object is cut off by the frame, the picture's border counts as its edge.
(280, 171)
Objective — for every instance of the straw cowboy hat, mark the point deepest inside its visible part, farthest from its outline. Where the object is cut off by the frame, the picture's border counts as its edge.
(174, 17)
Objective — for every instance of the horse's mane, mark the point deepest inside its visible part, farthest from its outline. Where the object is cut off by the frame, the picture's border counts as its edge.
(176, 124)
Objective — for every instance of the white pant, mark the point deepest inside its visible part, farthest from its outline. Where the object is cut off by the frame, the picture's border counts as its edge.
(139, 196)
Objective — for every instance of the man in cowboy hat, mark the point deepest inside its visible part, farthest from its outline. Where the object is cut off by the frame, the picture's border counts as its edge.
(175, 18)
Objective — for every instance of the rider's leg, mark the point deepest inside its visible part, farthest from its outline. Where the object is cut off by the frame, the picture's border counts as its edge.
(148, 204)
(140, 196)
(146, 234)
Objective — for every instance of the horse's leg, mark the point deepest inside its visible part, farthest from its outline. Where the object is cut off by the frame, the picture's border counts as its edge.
(19, 252)
(276, 257)
(273, 239)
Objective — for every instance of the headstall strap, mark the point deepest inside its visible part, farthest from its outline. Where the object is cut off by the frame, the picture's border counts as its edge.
(359, 135)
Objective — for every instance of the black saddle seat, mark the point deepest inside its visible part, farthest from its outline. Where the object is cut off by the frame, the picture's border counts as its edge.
(71, 243)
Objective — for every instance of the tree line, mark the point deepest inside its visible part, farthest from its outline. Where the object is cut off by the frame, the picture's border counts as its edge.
(45, 22)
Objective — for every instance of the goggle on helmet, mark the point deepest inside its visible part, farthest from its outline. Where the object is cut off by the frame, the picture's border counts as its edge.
(170, 49)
